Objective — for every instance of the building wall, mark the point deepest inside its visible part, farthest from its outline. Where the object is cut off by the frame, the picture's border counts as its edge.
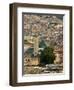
(31, 61)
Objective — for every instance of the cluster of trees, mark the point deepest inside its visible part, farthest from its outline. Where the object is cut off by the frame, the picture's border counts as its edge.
(47, 56)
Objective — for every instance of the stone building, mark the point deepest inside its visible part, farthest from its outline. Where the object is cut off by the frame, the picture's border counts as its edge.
(59, 56)
(31, 55)
(29, 60)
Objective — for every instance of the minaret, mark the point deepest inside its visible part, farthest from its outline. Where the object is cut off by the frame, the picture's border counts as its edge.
(36, 45)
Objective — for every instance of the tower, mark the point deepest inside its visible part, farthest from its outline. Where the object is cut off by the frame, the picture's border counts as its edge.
(36, 45)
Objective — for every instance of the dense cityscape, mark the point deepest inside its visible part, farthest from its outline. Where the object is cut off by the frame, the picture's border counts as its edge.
(41, 31)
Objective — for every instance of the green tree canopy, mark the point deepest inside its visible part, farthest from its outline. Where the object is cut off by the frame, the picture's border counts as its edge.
(47, 56)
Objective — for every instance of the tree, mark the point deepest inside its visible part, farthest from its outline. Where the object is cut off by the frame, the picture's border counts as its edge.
(47, 56)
